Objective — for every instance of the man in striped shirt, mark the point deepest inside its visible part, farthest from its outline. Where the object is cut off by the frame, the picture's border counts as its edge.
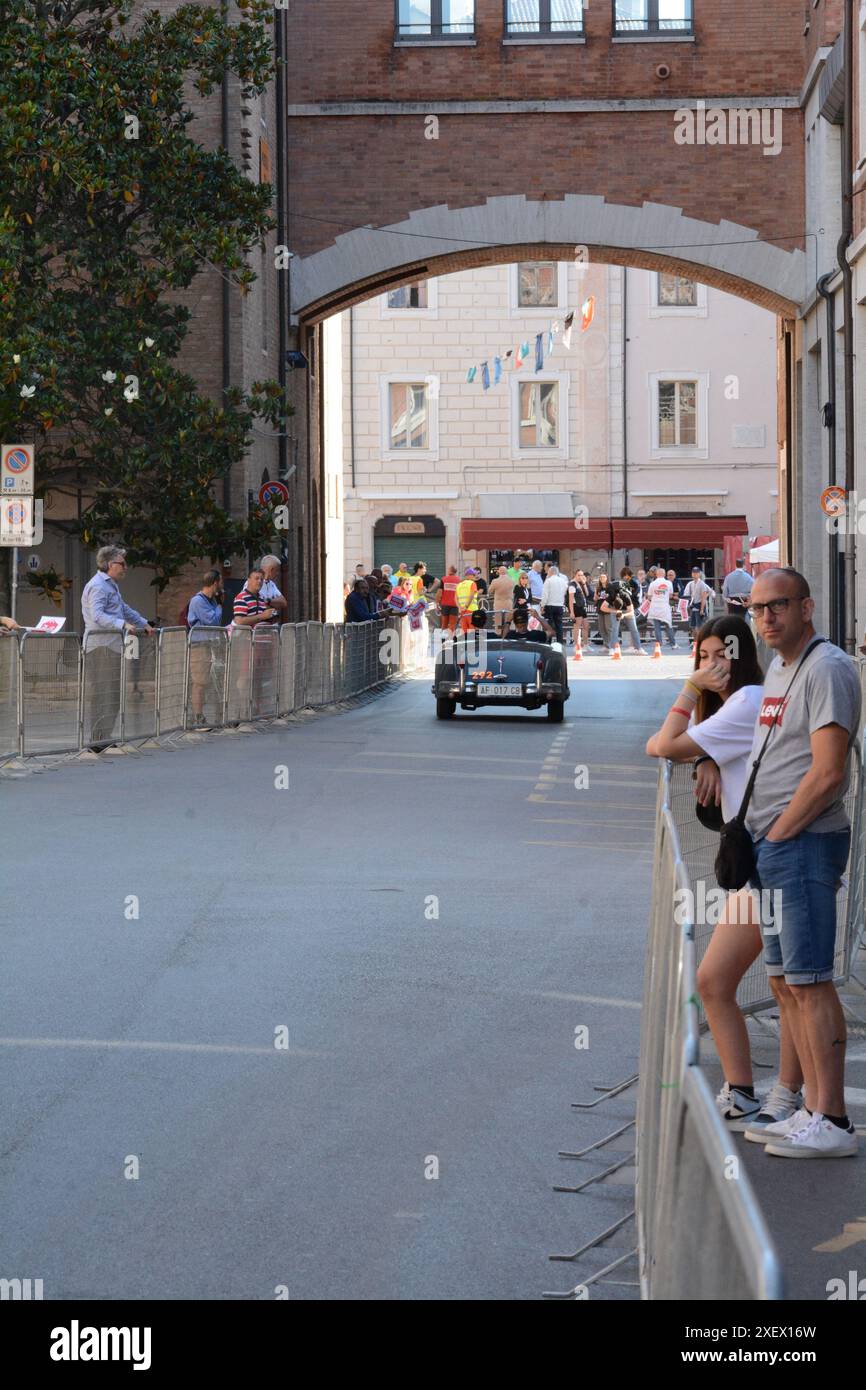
(249, 607)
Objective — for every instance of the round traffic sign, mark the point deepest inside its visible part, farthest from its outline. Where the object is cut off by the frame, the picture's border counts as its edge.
(16, 513)
(833, 501)
(18, 461)
(271, 493)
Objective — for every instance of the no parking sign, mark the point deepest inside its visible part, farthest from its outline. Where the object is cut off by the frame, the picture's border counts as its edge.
(17, 473)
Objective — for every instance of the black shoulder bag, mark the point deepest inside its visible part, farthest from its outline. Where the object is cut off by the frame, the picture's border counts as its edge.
(735, 861)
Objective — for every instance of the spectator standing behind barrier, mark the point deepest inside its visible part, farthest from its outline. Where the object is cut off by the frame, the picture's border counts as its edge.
(204, 611)
(249, 606)
(602, 618)
(270, 567)
(578, 597)
(722, 699)
(660, 593)
(697, 595)
(106, 619)
(501, 599)
(358, 608)
(536, 584)
(802, 837)
(737, 589)
(522, 594)
(553, 598)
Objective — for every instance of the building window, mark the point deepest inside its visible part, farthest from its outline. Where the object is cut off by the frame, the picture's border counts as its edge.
(675, 291)
(679, 411)
(652, 17)
(536, 287)
(408, 296)
(417, 300)
(540, 17)
(539, 416)
(409, 420)
(408, 415)
(678, 414)
(435, 19)
(676, 296)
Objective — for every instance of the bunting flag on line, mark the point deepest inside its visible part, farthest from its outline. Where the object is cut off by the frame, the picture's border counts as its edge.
(517, 358)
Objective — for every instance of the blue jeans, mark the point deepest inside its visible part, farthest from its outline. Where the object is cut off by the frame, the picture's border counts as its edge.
(629, 625)
(800, 879)
(658, 624)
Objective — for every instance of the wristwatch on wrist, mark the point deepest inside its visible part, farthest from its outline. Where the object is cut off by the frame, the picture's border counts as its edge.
(704, 758)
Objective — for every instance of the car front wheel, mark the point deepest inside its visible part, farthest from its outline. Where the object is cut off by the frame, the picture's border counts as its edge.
(556, 711)
(445, 708)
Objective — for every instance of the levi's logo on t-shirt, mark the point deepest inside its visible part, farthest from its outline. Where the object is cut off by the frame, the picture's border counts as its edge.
(772, 710)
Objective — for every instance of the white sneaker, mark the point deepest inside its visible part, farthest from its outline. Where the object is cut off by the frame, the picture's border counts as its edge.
(777, 1108)
(818, 1139)
(736, 1105)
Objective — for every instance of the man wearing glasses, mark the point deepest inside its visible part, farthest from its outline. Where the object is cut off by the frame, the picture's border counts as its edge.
(106, 619)
(802, 836)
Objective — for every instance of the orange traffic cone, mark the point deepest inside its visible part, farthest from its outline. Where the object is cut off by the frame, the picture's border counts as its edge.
(694, 648)
(578, 651)
(616, 654)
(657, 653)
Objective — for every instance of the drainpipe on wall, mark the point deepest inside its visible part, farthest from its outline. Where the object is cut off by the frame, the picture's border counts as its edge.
(226, 301)
(282, 286)
(624, 392)
(848, 597)
(352, 389)
(830, 424)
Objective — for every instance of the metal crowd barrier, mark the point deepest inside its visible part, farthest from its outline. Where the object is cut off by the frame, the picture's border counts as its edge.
(9, 671)
(48, 683)
(59, 694)
(691, 1191)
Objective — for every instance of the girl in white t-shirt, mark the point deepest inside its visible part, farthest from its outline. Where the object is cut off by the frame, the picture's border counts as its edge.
(714, 717)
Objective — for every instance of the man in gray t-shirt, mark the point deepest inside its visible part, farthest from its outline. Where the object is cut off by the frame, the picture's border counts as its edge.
(802, 838)
(827, 691)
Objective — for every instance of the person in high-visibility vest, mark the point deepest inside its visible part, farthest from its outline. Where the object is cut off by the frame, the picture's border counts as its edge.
(448, 599)
(467, 600)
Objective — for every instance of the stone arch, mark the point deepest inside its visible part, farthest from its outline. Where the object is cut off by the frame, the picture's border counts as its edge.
(652, 236)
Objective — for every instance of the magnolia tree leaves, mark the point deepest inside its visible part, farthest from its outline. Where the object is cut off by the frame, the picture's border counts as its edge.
(110, 212)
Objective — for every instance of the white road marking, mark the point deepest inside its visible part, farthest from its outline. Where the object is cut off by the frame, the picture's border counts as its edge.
(587, 999)
(162, 1046)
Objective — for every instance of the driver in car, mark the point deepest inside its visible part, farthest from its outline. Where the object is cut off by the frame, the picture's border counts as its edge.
(519, 631)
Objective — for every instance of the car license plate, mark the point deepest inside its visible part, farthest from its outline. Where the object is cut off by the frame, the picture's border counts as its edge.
(487, 688)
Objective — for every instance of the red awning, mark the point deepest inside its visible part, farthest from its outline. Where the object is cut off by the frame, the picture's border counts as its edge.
(601, 533)
(677, 532)
(534, 533)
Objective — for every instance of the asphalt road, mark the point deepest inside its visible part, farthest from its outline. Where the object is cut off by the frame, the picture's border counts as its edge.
(429, 909)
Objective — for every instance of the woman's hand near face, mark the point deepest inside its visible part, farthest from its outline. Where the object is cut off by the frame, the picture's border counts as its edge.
(715, 675)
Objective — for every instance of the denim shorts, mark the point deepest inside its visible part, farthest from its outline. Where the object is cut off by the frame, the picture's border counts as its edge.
(798, 918)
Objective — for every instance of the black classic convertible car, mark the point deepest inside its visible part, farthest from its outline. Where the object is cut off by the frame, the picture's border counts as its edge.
(472, 673)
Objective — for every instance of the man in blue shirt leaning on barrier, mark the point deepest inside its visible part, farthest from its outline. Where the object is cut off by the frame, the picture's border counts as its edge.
(106, 619)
